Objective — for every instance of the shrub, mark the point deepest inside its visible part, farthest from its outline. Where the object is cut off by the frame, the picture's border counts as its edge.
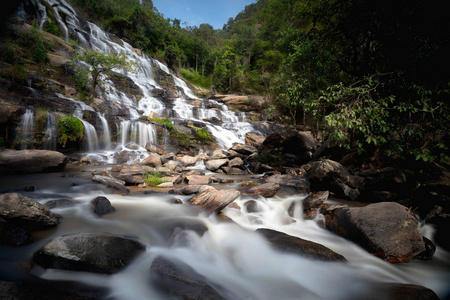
(154, 179)
(36, 46)
(70, 129)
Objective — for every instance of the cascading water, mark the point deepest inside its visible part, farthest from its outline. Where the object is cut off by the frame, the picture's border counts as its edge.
(106, 132)
(50, 133)
(27, 128)
(90, 139)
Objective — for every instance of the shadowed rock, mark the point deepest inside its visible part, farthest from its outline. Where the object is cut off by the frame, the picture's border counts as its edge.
(153, 160)
(91, 252)
(27, 213)
(12, 235)
(215, 201)
(31, 161)
(384, 229)
(215, 164)
(299, 182)
(315, 199)
(254, 139)
(102, 206)
(244, 149)
(112, 182)
(180, 280)
(308, 249)
(265, 190)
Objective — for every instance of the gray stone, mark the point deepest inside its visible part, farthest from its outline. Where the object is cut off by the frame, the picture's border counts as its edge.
(31, 161)
(112, 183)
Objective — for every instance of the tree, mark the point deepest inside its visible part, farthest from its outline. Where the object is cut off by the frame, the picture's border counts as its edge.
(98, 63)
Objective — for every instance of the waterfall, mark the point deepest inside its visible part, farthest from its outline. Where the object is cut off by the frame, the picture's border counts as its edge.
(27, 128)
(106, 131)
(50, 133)
(90, 137)
(136, 132)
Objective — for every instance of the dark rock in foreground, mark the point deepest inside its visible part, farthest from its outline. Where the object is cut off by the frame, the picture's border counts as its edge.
(31, 161)
(315, 199)
(384, 229)
(180, 280)
(26, 213)
(91, 252)
(308, 249)
(102, 206)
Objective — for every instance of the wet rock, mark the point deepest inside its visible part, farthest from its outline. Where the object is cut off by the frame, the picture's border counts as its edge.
(132, 174)
(398, 291)
(102, 206)
(198, 180)
(244, 149)
(315, 199)
(308, 249)
(235, 171)
(112, 183)
(150, 147)
(215, 201)
(61, 203)
(27, 213)
(430, 249)
(266, 190)
(215, 164)
(188, 160)
(167, 157)
(11, 235)
(100, 172)
(31, 161)
(192, 189)
(385, 229)
(180, 280)
(153, 160)
(254, 139)
(299, 182)
(90, 252)
(331, 175)
(236, 162)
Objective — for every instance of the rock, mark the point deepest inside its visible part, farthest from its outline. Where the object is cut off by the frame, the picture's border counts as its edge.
(90, 252)
(180, 280)
(430, 249)
(244, 149)
(215, 164)
(218, 154)
(432, 194)
(198, 180)
(331, 175)
(26, 213)
(235, 171)
(189, 160)
(165, 185)
(266, 190)
(292, 244)
(192, 189)
(132, 174)
(61, 203)
(384, 229)
(153, 115)
(150, 147)
(102, 206)
(254, 139)
(236, 162)
(31, 161)
(215, 201)
(299, 182)
(398, 291)
(167, 157)
(174, 165)
(113, 183)
(315, 199)
(153, 160)
(11, 235)
(101, 173)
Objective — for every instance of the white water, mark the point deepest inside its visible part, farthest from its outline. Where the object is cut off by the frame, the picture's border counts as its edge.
(27, 128)
(50, 133)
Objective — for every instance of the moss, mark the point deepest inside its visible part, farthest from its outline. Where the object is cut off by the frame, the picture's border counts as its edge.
(69, 129)
(203, 135)
(154, 179)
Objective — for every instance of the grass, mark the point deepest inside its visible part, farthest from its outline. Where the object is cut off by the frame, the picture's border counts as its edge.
(196, 78)
(154, 179)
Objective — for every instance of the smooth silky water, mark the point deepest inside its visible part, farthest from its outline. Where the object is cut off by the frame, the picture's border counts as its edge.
(234, 259)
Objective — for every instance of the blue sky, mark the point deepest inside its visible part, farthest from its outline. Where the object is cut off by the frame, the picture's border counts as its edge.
(196, 12)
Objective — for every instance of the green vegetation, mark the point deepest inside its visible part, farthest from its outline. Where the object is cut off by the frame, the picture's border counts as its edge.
(69, 129)
(166, 121)
(196, 79)
(98, 63)
(154, 179)
(203, 134)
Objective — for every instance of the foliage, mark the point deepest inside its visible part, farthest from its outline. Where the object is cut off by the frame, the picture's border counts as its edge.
(97, 63)
(35, 45)
(203, 134)
(166, 121)
(69, 129)
(154, 179)
(196, 78)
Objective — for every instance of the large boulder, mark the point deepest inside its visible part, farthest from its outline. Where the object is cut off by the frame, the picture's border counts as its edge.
(25, 212)
(31, 161)
(385, 229)
(292, 244)
(102, 206)
(153, 160)
(198, 179)
(254, 139)
(244, 149)
(112, 183)
(299, 182)
(330, 175)
(132, 174)
(266, 190)
(181, 281)
(189, 160)
(215, 201)
(90, 252)
(214, 164)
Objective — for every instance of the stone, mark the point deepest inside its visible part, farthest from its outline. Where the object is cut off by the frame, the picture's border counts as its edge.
(61, 203)
(165, 185)
(31, 161)
(112, 183)
(102, 253)
(254, 139)
(188, 160)
(167, 157)
(198, 180)
(218, 154)
(236, 162)
(244, 149)
(26, 213)
(215, 164)
(315, 199)
(305, 248)
(266, 190)
(150, 147)
(299, 182)
(215, 201)
(153, 115)
(133, 175)
(153, 160)
(386, 229)
(180, 280)
(102, 206)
